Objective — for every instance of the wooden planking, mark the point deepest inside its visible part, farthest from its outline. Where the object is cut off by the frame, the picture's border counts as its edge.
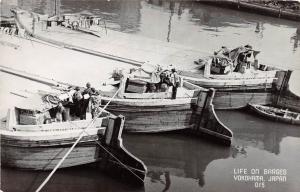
(20, 142)
(40, 158)
(226, 85)
(59, 126)
(207, 122)
(147, 120)
(149, 102)
(140, 109)
(235, 100)
(285, 97)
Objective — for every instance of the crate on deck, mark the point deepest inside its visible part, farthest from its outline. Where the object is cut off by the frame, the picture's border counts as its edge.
(136, 86)
(28, 117)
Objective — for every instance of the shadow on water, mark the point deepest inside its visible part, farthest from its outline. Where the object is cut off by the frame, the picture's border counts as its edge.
(80, 178)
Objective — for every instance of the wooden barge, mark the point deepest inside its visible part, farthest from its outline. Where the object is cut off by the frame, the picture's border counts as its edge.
(28, 141)
(150, 112)
(237, 80)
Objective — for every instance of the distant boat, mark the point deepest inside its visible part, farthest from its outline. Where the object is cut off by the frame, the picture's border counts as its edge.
(276, 114)
(30, 139)
(155, 111)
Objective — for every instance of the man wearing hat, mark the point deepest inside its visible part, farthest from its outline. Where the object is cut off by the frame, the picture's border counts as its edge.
(78, 99)
(175, 82)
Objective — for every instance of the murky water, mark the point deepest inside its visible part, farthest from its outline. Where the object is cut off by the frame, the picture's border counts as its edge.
(175, 162)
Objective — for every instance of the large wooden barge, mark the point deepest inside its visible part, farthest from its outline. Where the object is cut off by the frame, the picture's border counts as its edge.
(150, 112)
(30, 140)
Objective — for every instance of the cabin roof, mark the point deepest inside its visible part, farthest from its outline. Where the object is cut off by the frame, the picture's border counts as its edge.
(39, 102)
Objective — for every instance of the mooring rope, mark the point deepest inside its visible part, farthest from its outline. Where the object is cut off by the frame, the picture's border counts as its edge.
(73, 146)
(125, 166)
(111, 154)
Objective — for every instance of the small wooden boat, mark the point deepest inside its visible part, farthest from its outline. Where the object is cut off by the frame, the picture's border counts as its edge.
(30, 139)
(238, 78)
(276, 114)
(156, 111)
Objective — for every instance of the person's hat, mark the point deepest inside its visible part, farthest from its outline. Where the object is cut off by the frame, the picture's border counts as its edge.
(248, 46)
(88, 84)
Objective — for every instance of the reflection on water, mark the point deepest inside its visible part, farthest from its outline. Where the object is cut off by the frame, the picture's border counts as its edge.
(77, 179)
(295, 39)
(177, 162)
(254, 131)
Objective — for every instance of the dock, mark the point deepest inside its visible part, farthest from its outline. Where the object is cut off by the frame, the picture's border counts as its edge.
(129, 48)
(256, 7)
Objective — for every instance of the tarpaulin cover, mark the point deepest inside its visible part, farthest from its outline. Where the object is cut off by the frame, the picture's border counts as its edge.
(38, 102)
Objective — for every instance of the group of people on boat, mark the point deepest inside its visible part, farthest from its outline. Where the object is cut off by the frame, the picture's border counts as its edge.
(83, 101)
(167, 79)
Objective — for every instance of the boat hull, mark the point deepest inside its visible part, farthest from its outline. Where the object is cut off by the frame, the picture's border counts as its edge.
(236, 100)
(151, 119)
(26, 147)
(237, 93)
(196, 114)
(46, 158)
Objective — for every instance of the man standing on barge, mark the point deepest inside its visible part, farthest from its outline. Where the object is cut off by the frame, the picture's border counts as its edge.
(175, 82)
